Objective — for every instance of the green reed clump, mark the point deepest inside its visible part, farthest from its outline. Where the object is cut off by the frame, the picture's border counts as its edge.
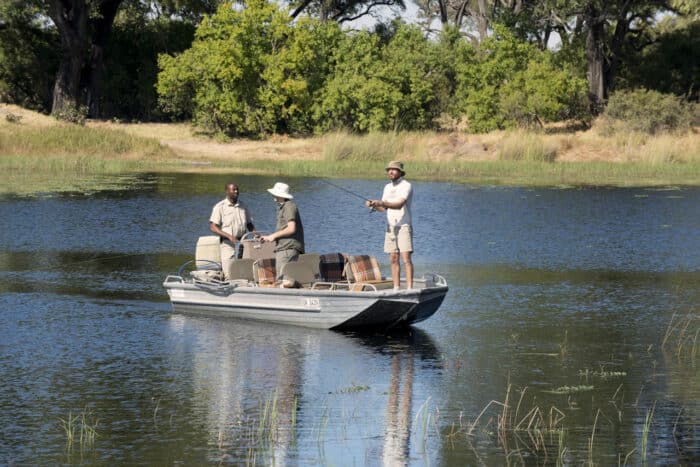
(80, 430)
(526, 146)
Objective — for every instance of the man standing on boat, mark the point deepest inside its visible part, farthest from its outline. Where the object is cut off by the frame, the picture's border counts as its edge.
(289, 233)
(229, 220)
(396, 201)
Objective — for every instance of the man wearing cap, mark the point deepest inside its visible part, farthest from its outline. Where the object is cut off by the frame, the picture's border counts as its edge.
(229, 220)
(396, 201)
(289, 233)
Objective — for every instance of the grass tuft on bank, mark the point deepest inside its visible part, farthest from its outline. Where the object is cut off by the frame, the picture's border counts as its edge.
(76, 148)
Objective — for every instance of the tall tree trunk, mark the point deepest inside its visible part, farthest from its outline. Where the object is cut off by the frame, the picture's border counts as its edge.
(443, 13)
(71, 20)
(597, 90)
(482, 20)
(102, 28)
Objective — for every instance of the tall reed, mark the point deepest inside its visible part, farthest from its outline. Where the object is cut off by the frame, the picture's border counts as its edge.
(80, 430)
(645, 432)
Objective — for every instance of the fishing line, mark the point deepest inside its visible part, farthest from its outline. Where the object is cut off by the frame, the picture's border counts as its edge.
(348, 191)
(345, 190)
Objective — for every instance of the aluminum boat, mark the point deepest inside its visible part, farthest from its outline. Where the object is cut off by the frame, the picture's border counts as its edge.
(345, 292)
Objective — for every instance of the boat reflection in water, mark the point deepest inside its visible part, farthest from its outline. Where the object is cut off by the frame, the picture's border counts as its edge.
(295, 395)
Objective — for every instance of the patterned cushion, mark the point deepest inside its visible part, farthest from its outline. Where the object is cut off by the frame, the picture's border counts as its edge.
(265, 271)
(332, 266)
(364, 268)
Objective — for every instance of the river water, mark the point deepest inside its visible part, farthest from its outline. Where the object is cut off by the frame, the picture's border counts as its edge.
(569, 334)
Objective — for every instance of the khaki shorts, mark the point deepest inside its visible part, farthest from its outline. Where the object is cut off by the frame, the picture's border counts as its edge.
(398, 239)
(282, 258)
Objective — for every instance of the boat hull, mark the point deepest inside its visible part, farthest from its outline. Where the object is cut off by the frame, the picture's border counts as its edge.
(327, 309)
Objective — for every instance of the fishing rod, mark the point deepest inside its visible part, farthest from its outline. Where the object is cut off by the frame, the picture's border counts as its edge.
(348, 191)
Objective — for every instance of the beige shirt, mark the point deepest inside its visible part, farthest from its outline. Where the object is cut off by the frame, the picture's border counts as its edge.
(231, 218)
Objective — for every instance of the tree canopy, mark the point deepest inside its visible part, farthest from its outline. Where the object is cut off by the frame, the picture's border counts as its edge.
(255, 67)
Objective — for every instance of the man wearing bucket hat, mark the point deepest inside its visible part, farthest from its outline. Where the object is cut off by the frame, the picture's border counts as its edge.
(289, 233)
(398, 240)
(229, 220)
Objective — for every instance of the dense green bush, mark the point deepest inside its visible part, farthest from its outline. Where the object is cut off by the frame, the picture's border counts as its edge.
(509, 83)
(250, 71)
(650, 111)
(386, 86)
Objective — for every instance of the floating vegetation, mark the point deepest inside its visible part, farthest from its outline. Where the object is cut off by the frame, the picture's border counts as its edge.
(353, 388)
(602, 373)
(80, 430)
(570, 389)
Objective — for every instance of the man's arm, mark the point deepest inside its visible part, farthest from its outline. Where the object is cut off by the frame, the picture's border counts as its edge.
(381, 206)
(217, 230)
(288, 231)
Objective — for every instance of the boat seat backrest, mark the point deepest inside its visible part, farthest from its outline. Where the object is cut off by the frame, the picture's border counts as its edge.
(241, 269)
(332, 266)
(302, 272)
(264, 271)
(253, 248)
(363, 268)
(207, 253)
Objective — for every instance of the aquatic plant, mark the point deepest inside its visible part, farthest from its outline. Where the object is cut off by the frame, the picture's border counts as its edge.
(80, 430)
(602, 373)
(645, 431)
(681, 337)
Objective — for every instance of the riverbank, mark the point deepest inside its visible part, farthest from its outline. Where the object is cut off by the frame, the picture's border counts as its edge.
(35, 143)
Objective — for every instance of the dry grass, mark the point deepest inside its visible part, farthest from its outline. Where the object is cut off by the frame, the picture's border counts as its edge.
(559, 155)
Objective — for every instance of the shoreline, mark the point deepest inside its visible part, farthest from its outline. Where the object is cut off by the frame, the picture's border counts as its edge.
(557, 157)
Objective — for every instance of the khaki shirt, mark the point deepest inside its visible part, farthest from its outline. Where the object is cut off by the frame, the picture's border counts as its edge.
(231, 218)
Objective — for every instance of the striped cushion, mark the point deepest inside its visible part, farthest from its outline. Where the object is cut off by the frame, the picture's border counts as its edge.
(332, 266)
(265, 271)
(364, 268)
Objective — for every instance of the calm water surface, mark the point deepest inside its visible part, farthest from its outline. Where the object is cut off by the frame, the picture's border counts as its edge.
(569, 334)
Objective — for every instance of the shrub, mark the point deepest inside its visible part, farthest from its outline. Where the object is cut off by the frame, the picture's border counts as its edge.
(72, 114)
(649, 111)
(510, 83)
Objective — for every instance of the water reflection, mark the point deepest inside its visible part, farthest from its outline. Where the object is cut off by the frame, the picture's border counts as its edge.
(252, 381)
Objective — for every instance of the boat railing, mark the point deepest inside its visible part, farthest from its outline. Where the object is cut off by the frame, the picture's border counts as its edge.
(322, 285)
(434, 278)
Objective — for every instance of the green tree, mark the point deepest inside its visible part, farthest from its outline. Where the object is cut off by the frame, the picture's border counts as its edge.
(394, 86)
(83, 29)
(27, 59)
(250, 71)
(510, 82)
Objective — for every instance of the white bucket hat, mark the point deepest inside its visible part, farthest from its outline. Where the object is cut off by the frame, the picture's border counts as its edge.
(280, 190)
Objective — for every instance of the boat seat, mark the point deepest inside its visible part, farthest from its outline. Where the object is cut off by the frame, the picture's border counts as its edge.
(363, 268)
(241, 269)
(264, 271)
(253, 248)
(207, 254)
(332, 266)
(305, 271)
